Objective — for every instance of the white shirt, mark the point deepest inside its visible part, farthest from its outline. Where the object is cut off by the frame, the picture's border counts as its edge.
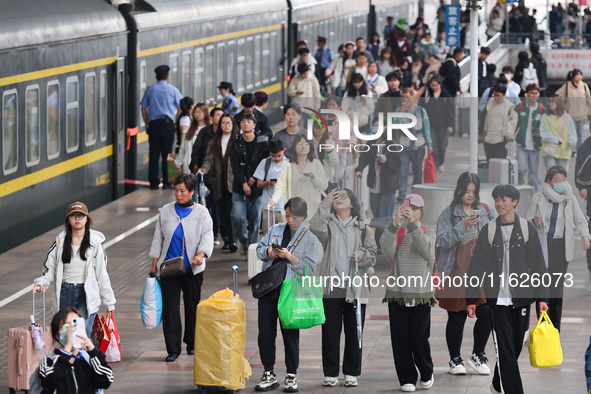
(225, 140)
(362, 71)
(75, 271)
(505, 297)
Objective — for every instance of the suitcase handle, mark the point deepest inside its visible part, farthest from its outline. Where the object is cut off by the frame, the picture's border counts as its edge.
(44, 319)
(19, 361)
(235, 278)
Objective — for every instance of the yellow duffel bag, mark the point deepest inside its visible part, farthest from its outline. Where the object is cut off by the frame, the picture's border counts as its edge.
(544, 349)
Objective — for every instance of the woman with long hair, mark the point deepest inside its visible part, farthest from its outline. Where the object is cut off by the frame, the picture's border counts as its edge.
(217, 166)
(303, 176)
(386, 63)
(458, 228)
(77, 262)
(199, 119)
(556, 213)
(325, 150)
(439, 105)
(557, 128)
(338, 224)
(183, 119)
(358, 100)
(578, 101)
(377, 83)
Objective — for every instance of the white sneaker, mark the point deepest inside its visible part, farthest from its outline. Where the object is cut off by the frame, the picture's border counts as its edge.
(428, 384)
(588, 285)
(290, 384)
(407, 388)
(479, 363)
(456, 366)
(350, 381)
(330, 381)
(268, 382)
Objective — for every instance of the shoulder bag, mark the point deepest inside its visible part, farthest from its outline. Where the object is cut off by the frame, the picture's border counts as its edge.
(174, 267)
(551, 148)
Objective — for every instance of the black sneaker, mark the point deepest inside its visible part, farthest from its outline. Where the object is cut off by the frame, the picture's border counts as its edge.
(232, 247)
(268, 382)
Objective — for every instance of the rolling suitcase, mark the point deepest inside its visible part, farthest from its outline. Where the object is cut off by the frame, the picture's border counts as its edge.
(23, 359)
(255, 265)
(220, 340)
(502, 171)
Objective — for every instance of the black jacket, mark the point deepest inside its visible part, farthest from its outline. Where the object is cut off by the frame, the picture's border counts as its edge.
(525, 259)
(541, 69)
(200, 147)
(80, 377)
(242, 167)
(389, 171)
(583, 153)
(450, 72)
(262, 125)
(441, 110)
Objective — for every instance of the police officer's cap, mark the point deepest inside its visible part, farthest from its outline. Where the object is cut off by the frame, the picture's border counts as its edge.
(225, 85)
(163, 69)
(321, 38)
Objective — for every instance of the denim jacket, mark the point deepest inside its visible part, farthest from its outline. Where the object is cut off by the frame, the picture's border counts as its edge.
(449, 236)
(308, 250)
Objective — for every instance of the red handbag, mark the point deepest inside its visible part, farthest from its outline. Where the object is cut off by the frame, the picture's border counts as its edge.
(106, 337)
(429, 170)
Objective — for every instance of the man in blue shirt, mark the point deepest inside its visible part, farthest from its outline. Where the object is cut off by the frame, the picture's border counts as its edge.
(324, 57)
(160, 106)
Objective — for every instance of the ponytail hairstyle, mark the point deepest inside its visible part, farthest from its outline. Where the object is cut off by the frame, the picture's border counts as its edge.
(571, 74)
(185, 107)
(67, 249)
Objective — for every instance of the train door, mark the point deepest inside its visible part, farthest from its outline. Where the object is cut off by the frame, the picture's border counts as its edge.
(119, 140)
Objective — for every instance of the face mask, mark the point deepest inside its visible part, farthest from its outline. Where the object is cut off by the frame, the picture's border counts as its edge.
(63, 337)
(509, 77)
(560, 187)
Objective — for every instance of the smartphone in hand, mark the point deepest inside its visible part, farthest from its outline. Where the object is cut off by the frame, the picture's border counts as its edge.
(405, 203)
(79, 329)
(276, 246)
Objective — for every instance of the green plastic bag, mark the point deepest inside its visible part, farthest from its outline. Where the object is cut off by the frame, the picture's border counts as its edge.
(300, 302)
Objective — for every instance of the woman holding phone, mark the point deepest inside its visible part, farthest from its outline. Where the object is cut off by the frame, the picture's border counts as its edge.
(76, 366)
(458, 228)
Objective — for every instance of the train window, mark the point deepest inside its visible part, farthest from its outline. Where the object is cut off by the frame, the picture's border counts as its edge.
(32, 125)
(209, 73)
(198, 75)
(230, 61)
(173, 75)
(71, 114)
(266, 65)
(90, 109)
(273, 58)
(220, 69)
(53, 120)
(258, 52)
(103, 113)
(249, 63)
(143, 87)
(240, 67)
(9, 132)
(186, 77)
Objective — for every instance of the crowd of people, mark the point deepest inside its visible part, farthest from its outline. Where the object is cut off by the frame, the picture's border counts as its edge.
(246, 176)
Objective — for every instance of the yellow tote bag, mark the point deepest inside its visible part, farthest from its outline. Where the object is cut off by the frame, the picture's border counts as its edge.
(544, 349)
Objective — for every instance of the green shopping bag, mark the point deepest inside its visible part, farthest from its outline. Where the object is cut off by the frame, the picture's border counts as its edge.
(300, 302)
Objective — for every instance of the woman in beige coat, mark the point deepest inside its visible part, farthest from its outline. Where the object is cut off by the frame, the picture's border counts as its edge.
(578, 101)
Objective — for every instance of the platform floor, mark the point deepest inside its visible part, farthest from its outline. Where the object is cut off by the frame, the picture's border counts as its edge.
(144, 371)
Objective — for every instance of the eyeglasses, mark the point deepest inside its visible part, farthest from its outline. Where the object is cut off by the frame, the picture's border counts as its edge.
(77, 215)
(226, 123)
(303, 144)
(342, 196)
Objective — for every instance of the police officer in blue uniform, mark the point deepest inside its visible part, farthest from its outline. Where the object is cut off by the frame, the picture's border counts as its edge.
(160, 106)
(230, 104)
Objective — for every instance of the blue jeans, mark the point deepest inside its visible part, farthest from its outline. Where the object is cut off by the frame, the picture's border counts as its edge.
(72, 295)
(382, 204)
(579, 124)
(416, 157)
(551, 162)
(528, 160)
(246, 208)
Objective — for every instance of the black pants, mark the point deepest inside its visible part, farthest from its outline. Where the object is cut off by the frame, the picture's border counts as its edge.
(161, 139)
(268, 317)
(454, 331)
(171, 317)
(556, 264)
(224, 206)
(439, 136)
(212, 207)
(410, 329)
(339, 314)
(509, 326)
(495, 151)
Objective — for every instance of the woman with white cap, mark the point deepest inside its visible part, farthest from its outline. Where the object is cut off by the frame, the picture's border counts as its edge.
(77, 262)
